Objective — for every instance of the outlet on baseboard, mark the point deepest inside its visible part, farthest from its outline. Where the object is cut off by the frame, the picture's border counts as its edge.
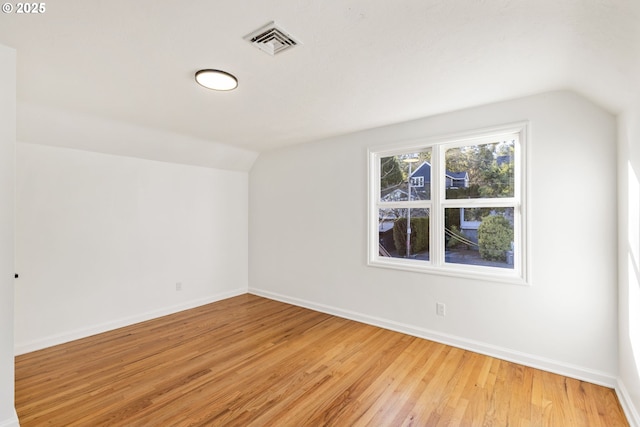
(178, 286)
(441, 309)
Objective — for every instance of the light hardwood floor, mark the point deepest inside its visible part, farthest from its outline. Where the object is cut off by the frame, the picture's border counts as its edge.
(250, 361)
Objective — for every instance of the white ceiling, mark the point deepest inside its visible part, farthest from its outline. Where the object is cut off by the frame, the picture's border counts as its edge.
(362, 64)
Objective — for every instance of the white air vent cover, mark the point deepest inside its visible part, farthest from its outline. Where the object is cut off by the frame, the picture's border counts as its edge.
(271, 39)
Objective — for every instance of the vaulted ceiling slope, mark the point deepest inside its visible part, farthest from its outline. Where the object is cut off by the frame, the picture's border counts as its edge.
(361, 64)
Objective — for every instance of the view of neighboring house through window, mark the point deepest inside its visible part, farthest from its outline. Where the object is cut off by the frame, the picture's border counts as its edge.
(450, 206)
(403, 212)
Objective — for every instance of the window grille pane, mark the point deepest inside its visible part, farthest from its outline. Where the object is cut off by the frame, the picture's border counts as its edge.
(392, 233)
(480, 171)
(404, 174)
(479, 236)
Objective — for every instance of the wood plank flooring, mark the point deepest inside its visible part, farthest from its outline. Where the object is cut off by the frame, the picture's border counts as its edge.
(250, 361)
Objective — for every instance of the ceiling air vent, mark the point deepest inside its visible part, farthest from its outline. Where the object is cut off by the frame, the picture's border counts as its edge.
(271, 39)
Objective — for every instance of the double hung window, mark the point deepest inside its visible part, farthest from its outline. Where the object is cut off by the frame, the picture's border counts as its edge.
(452, 205)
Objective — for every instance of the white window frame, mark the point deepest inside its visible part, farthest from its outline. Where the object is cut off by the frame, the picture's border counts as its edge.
(519, 274)
(417, 181)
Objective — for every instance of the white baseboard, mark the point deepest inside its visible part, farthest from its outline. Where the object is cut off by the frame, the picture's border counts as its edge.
(10, 422)
(29, 346)
(568, 370)
(626, 402)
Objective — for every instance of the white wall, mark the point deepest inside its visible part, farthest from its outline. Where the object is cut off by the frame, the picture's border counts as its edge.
(7, 162)
(70, 129)
(307, 229)
(102, 241)
(629, 261)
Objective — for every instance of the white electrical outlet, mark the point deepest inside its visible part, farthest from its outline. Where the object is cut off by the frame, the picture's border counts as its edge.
(441, 309)
(178, 286)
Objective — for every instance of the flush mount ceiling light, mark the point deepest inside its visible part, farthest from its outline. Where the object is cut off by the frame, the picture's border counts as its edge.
(216, 80)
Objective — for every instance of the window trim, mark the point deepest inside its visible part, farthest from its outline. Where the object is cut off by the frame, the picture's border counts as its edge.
(520, 274)
(419, 180)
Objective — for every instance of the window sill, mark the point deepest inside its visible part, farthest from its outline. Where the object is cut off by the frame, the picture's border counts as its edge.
(486, 274)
